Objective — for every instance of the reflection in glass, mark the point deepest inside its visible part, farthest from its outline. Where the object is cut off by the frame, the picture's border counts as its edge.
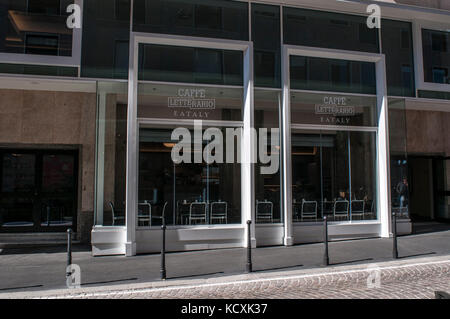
(202, 18)
(38, 190)
(189, 102)
(329, 178)
(267, 186)
(320, 74)
(111, 154)
(18, 177)
(333, 109)
(436, 56)
(398, 48)
(35, 27)
(399, 158)
(329, 30)
(195, 193)
(192, 65)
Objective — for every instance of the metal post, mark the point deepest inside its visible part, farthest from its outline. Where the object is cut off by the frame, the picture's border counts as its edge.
(441, 295)
(326, 258)
(163, 249)
(69, 252)
(394, 236)
(249, 266)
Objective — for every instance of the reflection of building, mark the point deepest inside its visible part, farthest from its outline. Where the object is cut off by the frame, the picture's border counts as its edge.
(86, 120)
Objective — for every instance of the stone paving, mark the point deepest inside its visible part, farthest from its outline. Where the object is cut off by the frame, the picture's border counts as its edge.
(44, 269)
(411, 280)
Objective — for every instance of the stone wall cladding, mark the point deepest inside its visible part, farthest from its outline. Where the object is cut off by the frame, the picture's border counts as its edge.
(42, 119)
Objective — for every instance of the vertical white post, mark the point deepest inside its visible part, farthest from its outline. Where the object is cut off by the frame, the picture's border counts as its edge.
(286, 169)
(247, 150)
(100, 160)
(383, 171)
(132, 149)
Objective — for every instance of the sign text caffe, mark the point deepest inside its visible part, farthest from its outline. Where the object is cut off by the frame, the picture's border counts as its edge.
(334, 110)
(191, 103)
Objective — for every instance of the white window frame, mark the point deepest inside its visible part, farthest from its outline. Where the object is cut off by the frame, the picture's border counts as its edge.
(247, 169)
(50, 60)
(382, 160)
(417, 26)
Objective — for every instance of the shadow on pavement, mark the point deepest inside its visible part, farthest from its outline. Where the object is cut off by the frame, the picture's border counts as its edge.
(277, 268)
(108, 282)
(351, 261)
(429, 227)
(199, 275)
(417, 255)
(43, 249)
(20, 288)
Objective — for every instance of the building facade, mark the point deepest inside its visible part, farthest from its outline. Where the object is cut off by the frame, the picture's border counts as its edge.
(353, 116)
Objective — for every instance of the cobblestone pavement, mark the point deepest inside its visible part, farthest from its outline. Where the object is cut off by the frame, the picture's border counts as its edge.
(411, 281)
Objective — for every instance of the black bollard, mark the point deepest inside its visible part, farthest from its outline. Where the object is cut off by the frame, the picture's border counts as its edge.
(394, 236)
(326, 258)
(69, 252)
(163, 250)
(441, 295)
(249, 266)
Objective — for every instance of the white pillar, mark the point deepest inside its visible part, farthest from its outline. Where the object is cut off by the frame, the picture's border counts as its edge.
(132, 151)
(383, 171)
(286, 167)
(247, 150)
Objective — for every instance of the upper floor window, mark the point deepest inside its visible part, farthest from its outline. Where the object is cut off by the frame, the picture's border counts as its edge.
(396, 37)
(320, 74)
(266, 37)
(35, 27)
(191, 65)
(436, 56)
(106, 36)
(329, 30)
(204, 18)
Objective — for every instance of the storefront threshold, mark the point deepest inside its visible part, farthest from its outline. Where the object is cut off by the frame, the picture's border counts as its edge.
(312, 232)
(107, 240)
(190, 238)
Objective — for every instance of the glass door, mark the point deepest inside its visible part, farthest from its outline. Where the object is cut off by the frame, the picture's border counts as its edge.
(441, 172)
(18, 195)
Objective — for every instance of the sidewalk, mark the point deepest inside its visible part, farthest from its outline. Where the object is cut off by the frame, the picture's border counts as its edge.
(45, 270)
(407, 278)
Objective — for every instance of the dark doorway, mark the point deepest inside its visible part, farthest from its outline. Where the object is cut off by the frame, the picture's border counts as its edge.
(428, 193)
(38, 190)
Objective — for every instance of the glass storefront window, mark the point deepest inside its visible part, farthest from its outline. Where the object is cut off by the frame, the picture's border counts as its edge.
(329, 30)
(203, 18)
(330, 179)
(35, 27)
(319, 74)
(111, 153)
(399, 158)
(398, 48)
(333, 171)
(267, 186)
(436, 56)
(195, 193)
